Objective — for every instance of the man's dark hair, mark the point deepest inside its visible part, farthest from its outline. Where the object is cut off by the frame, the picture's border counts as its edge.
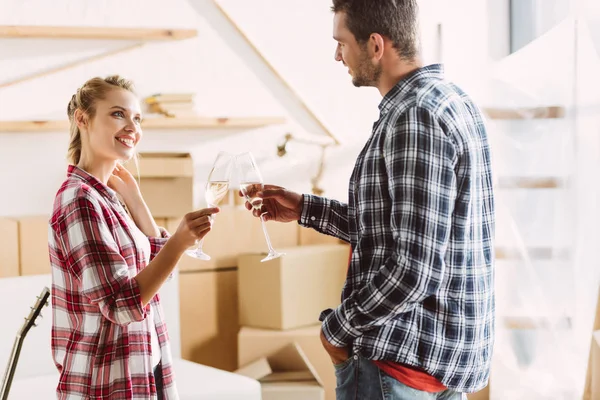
(395, 19)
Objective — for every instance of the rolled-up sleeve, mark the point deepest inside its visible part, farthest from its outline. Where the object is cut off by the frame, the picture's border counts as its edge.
(157, 243)
(95, 259)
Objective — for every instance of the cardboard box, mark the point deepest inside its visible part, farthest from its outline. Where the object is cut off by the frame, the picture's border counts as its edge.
(592, 389)
(256, 343)
(285, 374)
(9, 248)
(308, 236)
(291, 291)
(33, 245)
(209, 318)
(481, 395)
(592, 378)
(166, 182)
(250, 237)
(237, 199)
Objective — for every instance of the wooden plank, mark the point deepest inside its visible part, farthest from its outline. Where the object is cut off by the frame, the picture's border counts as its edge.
(535, 253)
(280, 88)
(211, 123)
(550, 112)
(152, 124)
(34, 126)
(64, 67)
(92, 32)
(532, 322)
(530, 183)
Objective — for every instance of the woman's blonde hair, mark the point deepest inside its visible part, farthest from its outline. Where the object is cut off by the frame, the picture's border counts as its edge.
(85, 99)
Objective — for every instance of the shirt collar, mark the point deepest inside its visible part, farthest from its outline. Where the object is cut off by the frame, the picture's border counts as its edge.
(75, 172)
(404, 85)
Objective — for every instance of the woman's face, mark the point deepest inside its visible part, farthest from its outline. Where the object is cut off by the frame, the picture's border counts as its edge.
(114, 131)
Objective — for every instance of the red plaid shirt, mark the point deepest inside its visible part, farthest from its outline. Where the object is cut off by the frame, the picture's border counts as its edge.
(100, 333)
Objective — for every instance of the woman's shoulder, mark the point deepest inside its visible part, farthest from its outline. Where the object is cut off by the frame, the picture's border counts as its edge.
(73, 194)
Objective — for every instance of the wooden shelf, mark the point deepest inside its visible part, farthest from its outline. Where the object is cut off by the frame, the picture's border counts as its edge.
(531, 323)
(128, 39)
(550, 112)
(535, 253)
(152, 123)
(530, 183)
(94, 33)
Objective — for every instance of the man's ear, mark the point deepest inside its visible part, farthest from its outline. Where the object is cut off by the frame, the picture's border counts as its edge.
(376, 44)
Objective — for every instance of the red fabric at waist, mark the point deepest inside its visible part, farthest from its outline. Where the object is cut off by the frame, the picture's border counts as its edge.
(411, 377)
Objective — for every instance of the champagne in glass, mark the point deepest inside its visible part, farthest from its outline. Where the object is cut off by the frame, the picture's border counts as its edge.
(250, 184)
(216, 192)
(216, 189)
(250, 189)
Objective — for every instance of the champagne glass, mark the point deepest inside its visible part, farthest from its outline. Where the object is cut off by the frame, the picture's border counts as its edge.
(250, 184)
(217, 187)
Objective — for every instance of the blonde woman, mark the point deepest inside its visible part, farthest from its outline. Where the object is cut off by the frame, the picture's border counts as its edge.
(109, 339)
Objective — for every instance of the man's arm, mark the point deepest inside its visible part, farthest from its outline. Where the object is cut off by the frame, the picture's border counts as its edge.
(326, 216)
(420, 161)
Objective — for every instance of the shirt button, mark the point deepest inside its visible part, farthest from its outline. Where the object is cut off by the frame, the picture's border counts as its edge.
(313, 218)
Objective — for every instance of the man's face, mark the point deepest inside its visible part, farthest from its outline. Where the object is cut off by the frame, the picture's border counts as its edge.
(365, 71)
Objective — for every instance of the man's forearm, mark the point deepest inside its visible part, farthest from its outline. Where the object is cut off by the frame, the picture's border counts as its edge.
(326, 216)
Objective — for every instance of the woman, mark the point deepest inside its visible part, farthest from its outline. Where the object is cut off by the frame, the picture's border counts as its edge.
(109, 339)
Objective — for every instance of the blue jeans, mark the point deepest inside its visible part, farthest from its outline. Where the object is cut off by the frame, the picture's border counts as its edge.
(360, 379)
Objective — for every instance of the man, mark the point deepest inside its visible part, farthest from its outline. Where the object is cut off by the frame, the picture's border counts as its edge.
(417, 311)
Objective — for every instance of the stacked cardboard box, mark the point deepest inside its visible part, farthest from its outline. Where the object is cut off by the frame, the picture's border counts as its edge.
(166, 181)
(209, 289)
(9, 248)
(279, 305)
(286, 373)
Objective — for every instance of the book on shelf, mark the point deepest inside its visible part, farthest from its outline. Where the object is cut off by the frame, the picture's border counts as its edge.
(170, 98)
(172, 104)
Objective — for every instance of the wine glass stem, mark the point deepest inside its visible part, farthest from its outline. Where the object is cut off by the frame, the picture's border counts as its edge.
(264, 226)
(199, 247)
(201, 241)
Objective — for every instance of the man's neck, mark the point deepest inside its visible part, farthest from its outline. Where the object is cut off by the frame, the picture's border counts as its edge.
(400, 71)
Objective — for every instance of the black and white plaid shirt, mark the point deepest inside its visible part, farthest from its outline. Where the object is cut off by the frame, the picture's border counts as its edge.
(420, 220)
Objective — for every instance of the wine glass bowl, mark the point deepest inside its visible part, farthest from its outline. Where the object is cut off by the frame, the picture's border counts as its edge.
(216, 189)
(251, 183)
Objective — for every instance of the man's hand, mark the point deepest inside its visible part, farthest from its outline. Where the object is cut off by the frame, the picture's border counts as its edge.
(337, 354)
(280, 204)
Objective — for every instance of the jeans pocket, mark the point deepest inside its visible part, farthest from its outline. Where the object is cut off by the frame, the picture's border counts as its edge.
(346, 379)
(343, 365)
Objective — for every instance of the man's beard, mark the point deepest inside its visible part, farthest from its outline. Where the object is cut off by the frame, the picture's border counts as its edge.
(366, 74)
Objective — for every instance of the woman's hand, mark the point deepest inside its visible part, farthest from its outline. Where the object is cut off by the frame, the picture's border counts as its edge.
(123, 182)
(194, 226)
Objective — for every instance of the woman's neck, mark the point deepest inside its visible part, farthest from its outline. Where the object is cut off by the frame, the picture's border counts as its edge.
(99, 170)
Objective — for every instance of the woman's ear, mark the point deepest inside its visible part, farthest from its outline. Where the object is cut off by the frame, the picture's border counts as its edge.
(81, 119)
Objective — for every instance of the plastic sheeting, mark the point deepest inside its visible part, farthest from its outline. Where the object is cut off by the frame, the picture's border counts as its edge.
(547, 171)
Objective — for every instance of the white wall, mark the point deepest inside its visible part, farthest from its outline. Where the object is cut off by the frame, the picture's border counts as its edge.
(296, 39)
